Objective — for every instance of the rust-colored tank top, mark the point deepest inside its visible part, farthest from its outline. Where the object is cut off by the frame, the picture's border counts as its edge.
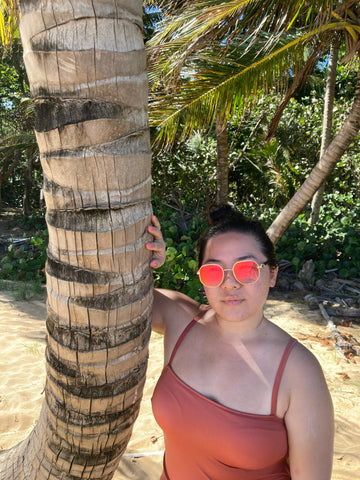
(206, 440)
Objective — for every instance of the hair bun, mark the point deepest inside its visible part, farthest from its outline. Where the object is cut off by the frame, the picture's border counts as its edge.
(218, 213)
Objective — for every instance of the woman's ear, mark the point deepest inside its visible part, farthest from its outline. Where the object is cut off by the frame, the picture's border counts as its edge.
(273, 275)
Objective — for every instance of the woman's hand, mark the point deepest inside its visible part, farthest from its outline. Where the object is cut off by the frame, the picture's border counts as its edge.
(157, 247)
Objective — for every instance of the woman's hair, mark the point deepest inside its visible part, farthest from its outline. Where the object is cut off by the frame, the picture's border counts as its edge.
(225, 219)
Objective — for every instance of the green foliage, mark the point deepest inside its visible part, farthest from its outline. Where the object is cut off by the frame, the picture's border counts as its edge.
(35, 222)
(26, 261)
(184, 178)
(333, 244)
(17, 140)
(346, 81)
(179, 270)
(271, 173)
(14, 84)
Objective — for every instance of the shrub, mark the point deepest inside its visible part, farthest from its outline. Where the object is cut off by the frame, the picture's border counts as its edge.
(26, 261)
(333, 244)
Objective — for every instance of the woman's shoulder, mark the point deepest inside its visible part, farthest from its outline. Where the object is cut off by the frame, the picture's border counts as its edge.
(300, 358)
(303, 373)
(302, 366)
(302, 381)
(304, 362)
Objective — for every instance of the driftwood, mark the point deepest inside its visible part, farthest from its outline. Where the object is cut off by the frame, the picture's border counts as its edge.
(342, 346)
(344, 312)
(350, 282)
(341, 297)
(338, 300)
(340, 290)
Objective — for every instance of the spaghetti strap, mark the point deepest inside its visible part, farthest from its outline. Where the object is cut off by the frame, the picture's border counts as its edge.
(279, 373)
(187, 328)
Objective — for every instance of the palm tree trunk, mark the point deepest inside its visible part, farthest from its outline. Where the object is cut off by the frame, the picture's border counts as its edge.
(222, 166)
(321, 170)
(327, 124)
(87, 70)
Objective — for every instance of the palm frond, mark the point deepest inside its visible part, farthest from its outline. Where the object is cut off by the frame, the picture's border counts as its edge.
(217, 18)
(9, 21)
(18, 142)
(224, 80)
(204, 23)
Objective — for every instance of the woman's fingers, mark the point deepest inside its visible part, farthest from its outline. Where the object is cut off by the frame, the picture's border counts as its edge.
(157, 247)
(155, 222)
(155, 228)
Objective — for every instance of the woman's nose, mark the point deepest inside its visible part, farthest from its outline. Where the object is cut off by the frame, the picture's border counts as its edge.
(229, 279)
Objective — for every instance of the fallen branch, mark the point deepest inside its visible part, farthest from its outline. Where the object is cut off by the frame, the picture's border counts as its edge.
(353, 290)
(352, 283)
(344, 312)
(340, 343)
(332, 292)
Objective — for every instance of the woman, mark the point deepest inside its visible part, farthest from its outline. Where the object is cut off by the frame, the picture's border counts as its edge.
(238, 397)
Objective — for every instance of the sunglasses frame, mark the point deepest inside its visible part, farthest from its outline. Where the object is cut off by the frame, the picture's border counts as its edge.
(259, 267)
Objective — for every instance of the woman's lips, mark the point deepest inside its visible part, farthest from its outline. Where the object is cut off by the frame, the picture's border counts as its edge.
(233, 301)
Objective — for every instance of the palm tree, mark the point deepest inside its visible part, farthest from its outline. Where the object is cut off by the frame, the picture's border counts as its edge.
(327, 123)
(322, 169)
(86, 66)
(212, 55)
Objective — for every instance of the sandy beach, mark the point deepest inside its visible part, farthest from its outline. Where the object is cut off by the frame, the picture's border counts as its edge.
(22, 367)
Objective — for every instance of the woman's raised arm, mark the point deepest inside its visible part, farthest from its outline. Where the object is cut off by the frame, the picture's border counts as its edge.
(169, 305)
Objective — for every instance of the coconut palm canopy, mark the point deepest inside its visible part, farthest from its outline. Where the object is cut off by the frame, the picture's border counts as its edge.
(210, 54)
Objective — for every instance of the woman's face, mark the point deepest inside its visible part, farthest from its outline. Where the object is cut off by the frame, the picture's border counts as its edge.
(232, 301)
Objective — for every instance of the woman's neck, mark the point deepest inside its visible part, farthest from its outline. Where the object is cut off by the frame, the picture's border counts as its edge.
(242, 330)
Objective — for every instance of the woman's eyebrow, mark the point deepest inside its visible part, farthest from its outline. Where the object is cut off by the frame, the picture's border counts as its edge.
(238, 259)
(249, 256)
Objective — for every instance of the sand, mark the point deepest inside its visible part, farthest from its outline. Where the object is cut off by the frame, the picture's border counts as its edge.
(22, 367)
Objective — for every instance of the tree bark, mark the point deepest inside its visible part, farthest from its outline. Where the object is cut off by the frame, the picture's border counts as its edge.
(327, 124)
(321, 170)
(87, 71)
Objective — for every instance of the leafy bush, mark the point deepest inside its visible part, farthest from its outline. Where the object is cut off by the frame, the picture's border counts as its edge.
(26, 261)
(179, 270)
(184, 178)
(333, 244)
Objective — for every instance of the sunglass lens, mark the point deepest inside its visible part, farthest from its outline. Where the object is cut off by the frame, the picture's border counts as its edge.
(211, 275)
(246, 272)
